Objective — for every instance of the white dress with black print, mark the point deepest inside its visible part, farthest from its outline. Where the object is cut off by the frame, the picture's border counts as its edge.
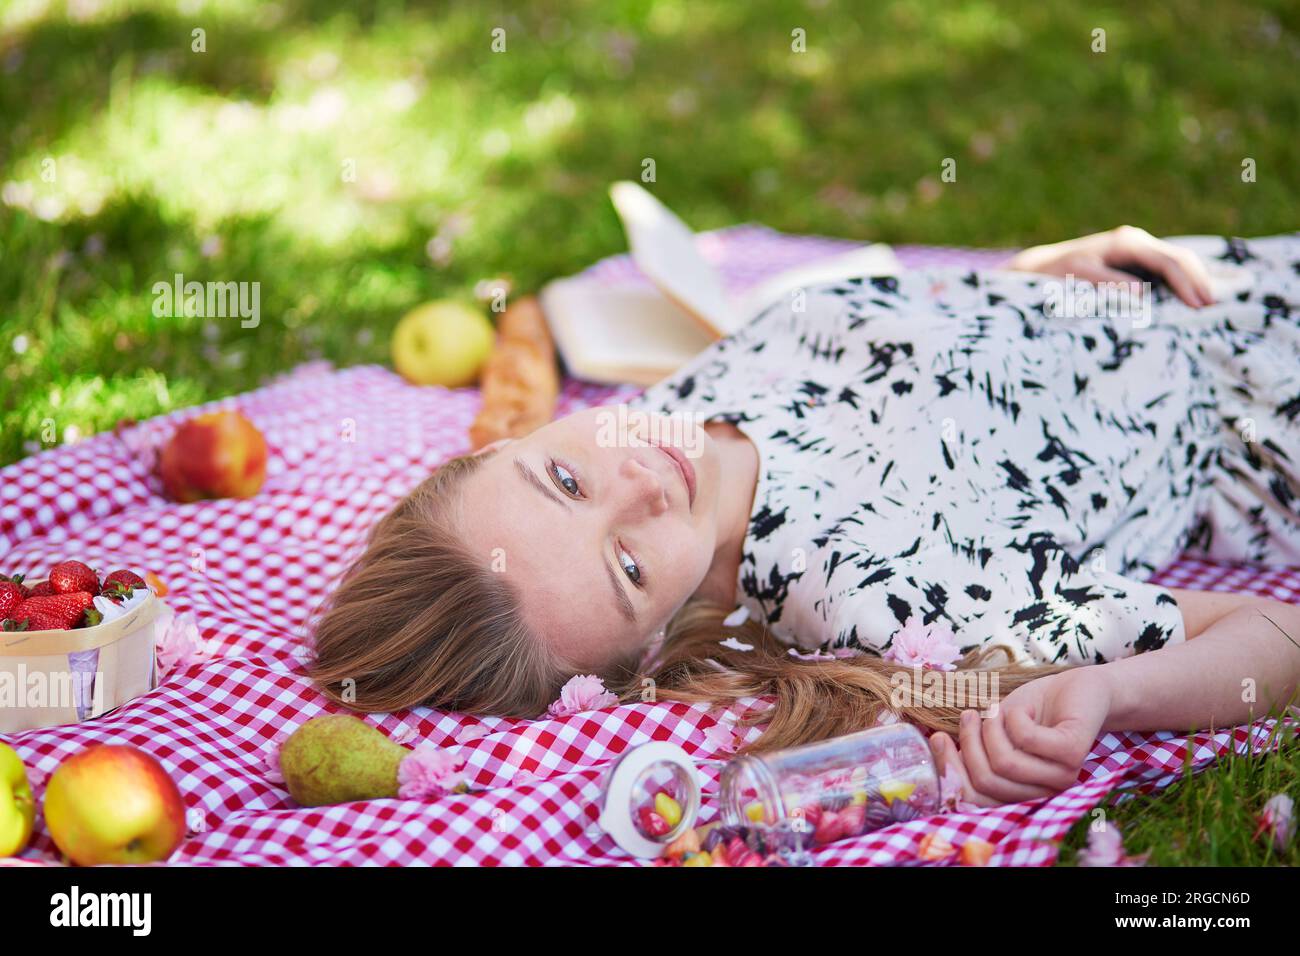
(942, 443)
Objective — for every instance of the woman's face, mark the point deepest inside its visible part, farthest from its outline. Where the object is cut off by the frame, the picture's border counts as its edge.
(595, 526)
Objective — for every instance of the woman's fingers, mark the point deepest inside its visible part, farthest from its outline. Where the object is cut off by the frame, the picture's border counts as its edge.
(1180, 268)
(945, 753)
(982, 775)
(1195, 267)
(1015, 764)
(1057, 744)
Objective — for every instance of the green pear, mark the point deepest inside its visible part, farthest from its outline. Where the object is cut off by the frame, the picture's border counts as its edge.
(338, 759)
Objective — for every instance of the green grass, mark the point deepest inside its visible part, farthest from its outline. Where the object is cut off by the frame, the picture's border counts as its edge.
(1207, 819)
(228, 165)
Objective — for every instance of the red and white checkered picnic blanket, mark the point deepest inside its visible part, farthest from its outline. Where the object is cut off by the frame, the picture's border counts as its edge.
(346, 445)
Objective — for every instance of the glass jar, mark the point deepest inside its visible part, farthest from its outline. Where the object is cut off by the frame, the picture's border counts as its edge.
(838, 788)
(803, 796)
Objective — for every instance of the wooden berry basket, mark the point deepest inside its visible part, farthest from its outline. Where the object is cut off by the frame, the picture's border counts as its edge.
(47, 673)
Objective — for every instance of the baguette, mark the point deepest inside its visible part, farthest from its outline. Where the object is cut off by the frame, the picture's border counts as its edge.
(521, 380)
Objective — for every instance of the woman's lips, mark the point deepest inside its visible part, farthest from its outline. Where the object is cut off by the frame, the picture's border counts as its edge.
(684, 466)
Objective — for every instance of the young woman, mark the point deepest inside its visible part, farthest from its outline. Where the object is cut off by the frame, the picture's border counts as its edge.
(941, 445)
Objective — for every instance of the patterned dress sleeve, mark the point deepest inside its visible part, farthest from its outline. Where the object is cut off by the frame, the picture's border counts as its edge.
(1027, 593)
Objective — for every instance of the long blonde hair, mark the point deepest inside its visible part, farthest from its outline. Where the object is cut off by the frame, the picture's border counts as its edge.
(419, 619)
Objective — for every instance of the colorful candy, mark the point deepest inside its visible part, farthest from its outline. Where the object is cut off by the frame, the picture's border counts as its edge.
(934, 848)
(976, 852)
(668, 809)
(687, 843)
(776, 806)
(652, 823)
(893, 790)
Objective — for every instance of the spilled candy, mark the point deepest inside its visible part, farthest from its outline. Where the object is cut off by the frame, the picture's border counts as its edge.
(668, 808)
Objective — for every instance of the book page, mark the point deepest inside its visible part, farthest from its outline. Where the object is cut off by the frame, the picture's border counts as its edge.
(619, 333)
(663, 248)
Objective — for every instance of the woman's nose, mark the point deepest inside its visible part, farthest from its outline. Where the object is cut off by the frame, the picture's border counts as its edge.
(645, 489)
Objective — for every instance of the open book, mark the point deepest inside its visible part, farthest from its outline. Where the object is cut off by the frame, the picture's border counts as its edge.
(639, 334)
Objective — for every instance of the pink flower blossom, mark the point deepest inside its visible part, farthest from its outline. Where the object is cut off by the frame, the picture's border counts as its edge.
(1278, 820)
(582, 692)
(1106, 848)
(721, 736)
(952, 798)
(179, 643)
(405, 735)
(271, 759)
(428, 771)
(470, 734)
(932, 646)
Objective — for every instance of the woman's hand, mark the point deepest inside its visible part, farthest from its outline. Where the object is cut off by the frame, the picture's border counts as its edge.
(1035, 743)
(1102, 257)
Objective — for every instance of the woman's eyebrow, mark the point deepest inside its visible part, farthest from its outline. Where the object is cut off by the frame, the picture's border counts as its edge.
(531, 477)
(624, 602)
(620, 594)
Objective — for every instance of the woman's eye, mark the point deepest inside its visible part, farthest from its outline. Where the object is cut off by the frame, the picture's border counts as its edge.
(565, 478)
(629, 567)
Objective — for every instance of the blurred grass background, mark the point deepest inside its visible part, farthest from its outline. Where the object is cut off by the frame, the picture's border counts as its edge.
(126, 156)
(356, 158)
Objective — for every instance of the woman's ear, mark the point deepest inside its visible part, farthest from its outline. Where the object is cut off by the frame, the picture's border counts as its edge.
(492, 446)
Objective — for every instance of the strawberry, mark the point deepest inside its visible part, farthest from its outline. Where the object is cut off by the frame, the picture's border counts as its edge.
(67, 577)
(56, 612)
(40, 590)
(129, 578)
(120, 584)
(116, 592)
(18, 580)
(11, 595)
(35, 621)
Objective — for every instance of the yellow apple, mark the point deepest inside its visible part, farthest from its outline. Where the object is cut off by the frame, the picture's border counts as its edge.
(17, 808)
(442, 343)
(113, 804)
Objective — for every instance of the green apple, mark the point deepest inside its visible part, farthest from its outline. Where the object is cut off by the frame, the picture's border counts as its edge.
(17, 808)
(442, 343)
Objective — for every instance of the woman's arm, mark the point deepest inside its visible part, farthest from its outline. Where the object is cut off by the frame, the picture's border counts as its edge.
(1242, 665)
(1241, 661)
(1103, 256)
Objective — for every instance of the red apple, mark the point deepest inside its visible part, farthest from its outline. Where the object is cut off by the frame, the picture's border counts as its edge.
(217, 455)
(113, 804)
